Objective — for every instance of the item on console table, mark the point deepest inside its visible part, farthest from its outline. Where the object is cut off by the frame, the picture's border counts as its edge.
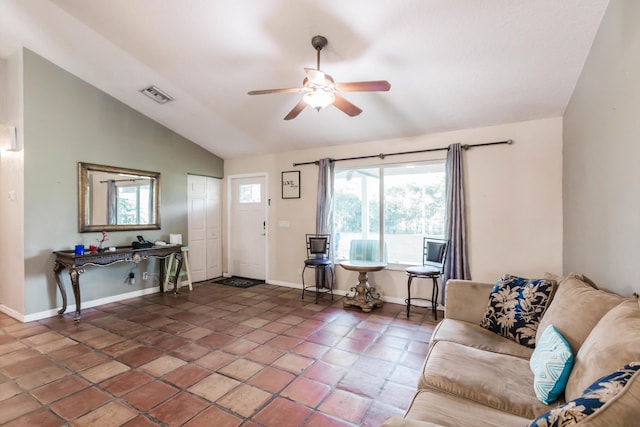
(141, 245)
(101, 241)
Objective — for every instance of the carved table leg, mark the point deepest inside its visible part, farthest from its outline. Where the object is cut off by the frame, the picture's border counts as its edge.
(371, 296)
(176, 279)
(57, 269)
(75, 283)
(364, 296)
(163, 262)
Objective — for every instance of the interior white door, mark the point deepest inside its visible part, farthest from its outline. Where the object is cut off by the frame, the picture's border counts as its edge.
(205, 227)
(197, 218)
(214, 227)
(248, 227)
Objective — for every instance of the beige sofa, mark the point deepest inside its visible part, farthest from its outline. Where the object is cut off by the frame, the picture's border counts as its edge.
(475, 377)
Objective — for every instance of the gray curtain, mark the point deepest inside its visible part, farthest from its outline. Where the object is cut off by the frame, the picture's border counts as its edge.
(324, 214)
(456, 262)
(112, 202)
(324, 208)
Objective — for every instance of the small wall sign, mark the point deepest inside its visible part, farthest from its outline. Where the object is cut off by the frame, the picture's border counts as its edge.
(291, 185)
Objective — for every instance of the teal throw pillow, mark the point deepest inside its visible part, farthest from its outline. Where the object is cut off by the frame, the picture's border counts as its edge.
(593, 399)
(551, 364)
(515, 307)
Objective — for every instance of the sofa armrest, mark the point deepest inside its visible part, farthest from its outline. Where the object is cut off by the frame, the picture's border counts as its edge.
(467, 300)
(404, 422)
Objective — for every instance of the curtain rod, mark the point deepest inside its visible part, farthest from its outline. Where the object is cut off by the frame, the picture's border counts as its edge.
(122, 180)
(382, 155)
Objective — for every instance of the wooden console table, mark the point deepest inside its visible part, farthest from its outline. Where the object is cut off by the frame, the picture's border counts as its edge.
(76, 264)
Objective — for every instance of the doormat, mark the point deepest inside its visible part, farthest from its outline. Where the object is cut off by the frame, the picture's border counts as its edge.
(238, 282)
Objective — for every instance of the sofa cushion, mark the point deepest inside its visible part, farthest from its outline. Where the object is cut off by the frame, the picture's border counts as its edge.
(472, 335)
(404, 422)
(576, 308)
(467, 300)
(551, 364)
(613, 342)
(515, 307)
(610, 401)
(495, 380)
(454, 411)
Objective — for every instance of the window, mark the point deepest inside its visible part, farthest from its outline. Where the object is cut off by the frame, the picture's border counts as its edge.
(249, 193)
(134, 206)
(402, 203)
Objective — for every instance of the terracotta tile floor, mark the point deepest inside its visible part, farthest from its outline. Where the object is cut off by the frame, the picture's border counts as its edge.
(217, 356)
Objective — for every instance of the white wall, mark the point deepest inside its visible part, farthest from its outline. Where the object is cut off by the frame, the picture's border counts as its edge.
(601, 152)
(513, 193)
(4, 87)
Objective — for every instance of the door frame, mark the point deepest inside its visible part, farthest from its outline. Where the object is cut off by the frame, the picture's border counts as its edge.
(229, 195)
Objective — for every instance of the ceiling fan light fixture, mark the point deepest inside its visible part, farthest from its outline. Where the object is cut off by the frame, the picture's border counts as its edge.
(319, 98)
(319, 89)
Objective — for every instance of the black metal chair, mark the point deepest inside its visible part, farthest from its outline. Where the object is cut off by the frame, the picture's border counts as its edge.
(433, 256)
(318, 259)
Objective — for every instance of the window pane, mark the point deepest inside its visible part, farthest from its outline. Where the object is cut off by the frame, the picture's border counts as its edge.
(249, 193)
(357, 213)
(128, 205)
(414, 207)
(145, 205)
(134, 204)
(413, 200)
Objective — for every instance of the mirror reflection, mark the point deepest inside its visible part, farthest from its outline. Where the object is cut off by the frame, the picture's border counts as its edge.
(112, 198)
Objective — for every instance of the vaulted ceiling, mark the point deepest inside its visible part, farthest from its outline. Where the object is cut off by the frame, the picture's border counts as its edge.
(452, 64)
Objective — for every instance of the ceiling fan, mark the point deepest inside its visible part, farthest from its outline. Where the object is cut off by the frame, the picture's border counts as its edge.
(320, 90)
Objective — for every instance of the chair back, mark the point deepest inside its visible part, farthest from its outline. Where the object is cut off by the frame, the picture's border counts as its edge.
(366, 250)
(434, 252)
(317, 246)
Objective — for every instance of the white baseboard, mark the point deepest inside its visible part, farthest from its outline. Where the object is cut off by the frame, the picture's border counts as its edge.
(11, 312)
(393, 300)
(72, 308)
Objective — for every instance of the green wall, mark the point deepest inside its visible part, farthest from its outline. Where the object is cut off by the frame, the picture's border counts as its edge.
(66, 120)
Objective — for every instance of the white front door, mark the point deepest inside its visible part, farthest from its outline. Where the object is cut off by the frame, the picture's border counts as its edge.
(248, 227)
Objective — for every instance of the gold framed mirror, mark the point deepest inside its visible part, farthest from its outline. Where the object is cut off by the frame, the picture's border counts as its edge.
(117, 199)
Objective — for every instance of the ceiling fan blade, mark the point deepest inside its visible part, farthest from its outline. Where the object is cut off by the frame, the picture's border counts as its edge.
(296, 110)
(316, 77)
(372, 86)
(268, 91)
(345, 106)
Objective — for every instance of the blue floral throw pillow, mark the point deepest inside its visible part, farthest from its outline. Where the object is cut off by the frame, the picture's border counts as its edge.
(515, 307)
(593, 399)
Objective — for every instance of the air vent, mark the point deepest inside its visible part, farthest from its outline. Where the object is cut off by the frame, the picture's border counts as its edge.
(157, 95)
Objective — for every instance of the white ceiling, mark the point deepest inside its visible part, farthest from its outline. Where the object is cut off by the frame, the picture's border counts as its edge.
(452, 64)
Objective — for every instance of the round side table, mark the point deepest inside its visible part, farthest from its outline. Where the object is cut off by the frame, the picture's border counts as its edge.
(365, 295)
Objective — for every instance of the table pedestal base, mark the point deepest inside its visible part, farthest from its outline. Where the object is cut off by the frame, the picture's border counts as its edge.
(365, 295)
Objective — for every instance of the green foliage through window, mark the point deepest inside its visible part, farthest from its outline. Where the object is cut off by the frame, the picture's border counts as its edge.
(412, 197)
